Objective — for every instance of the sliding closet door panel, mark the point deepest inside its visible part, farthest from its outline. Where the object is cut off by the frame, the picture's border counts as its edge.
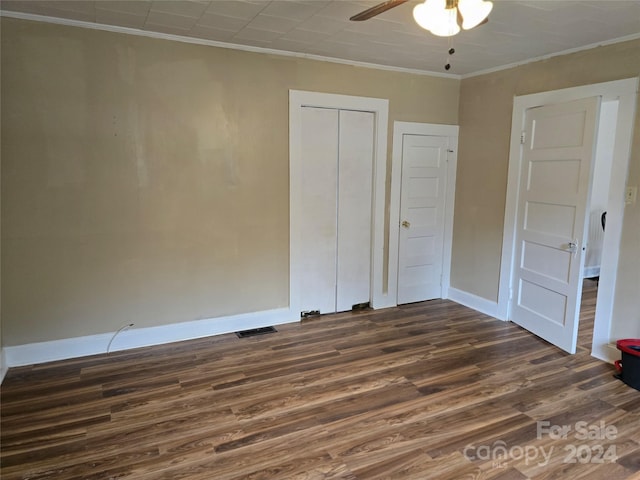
(355, 180)
(319, 226)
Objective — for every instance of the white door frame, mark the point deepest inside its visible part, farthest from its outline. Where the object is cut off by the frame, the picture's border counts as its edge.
(625, 92)
(380, 108)
(413, 128)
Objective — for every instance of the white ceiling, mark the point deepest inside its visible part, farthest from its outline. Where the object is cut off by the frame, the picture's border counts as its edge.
(517, 31)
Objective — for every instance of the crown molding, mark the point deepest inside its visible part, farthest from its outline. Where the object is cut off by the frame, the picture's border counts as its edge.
(284, 53)
(604, 43)
(214, 43)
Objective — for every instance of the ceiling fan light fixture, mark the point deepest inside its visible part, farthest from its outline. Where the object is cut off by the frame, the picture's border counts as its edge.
(473, 12)
(426, 13)
(433, 15)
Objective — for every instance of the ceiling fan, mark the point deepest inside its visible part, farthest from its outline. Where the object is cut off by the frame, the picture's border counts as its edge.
(440, 17)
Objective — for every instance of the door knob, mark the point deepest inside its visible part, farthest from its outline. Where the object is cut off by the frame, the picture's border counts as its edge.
(405, 224)
(573, 247)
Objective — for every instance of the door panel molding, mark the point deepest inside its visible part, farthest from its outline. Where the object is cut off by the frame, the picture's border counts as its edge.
(412, 128)
(625, 92)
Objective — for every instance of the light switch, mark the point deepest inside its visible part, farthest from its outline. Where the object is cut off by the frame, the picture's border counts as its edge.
(630, 195)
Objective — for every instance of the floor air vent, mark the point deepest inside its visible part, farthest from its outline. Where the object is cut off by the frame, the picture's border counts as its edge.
(255, 331)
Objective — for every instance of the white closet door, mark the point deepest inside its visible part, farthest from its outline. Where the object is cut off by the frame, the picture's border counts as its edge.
(355, 183)
(318, 227)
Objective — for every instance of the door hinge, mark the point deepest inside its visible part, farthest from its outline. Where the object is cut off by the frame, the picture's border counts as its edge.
(523, 137)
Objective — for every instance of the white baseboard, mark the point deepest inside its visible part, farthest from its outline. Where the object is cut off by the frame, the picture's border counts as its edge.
(3, 365)
(607, 352)
(470, 300)
(34, 353)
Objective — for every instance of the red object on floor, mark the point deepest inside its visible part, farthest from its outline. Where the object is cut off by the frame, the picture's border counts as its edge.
(627, 345)
(629, 367)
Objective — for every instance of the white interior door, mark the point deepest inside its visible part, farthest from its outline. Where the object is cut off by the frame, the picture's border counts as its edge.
(336, 201)
(355, 186)
(557, 159)
(422, 202)
(318, 224)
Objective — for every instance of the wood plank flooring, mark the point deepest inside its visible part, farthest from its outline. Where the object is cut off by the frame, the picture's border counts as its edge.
(431, 390)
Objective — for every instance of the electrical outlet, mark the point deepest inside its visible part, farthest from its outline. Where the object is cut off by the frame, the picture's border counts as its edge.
(630, 195)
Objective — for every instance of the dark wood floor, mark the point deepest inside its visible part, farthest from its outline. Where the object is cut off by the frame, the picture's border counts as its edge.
(425, 391)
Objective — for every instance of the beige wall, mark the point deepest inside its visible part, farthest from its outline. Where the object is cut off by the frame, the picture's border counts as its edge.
(146, 181)
(486, 104)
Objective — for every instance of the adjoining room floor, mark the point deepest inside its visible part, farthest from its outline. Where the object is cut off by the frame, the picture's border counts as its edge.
(431, 390)
(587, 313)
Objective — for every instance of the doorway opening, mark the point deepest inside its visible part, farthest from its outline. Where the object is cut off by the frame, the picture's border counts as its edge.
(596, 228)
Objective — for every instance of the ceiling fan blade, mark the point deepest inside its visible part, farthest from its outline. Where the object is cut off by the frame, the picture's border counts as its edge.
(376, 10)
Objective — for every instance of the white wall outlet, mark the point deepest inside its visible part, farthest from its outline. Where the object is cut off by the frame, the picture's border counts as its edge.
(630, 195)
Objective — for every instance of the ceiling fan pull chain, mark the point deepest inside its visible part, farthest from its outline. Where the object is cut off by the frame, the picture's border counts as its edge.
(450, 52)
